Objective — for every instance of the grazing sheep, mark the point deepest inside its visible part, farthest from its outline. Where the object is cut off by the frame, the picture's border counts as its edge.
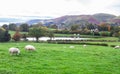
(117, 47)
(29, 47)
(72, 47)
(84, 45)
(14, 50)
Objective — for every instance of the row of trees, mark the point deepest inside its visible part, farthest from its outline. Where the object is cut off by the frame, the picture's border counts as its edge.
(24, 27)
(38, 30)
(100, 27)
(104, 29)
(35, 31)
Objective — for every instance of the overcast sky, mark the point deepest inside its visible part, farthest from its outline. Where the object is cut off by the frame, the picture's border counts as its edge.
(56, 8)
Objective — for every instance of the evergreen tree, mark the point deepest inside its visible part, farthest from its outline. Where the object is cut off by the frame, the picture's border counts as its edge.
(4, 35)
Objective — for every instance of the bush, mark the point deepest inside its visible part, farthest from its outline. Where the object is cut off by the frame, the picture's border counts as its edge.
(16, 36)
(96, 34)
(76, 42)
(105, 33)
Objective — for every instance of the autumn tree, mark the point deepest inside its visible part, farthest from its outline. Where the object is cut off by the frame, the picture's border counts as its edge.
(104, 27)
(17, 35)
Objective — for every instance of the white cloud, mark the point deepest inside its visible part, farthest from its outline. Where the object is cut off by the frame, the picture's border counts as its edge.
(57, 7)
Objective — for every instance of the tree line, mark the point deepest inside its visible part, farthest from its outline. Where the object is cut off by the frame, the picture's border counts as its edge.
(39, 30)
(36, 31)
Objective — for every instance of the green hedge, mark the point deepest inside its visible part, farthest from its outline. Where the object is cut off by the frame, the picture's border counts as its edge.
(75, 42)
(104, 33)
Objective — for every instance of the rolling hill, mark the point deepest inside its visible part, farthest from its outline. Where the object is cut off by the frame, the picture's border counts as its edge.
(115, 20)
(83, 19)
(69, 19)
(103, 17)
(80, 19)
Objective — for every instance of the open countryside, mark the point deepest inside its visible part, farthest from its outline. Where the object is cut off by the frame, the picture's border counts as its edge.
(60, 37)
(72, 53)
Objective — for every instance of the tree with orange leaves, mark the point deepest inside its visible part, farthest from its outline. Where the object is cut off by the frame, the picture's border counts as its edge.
(17, 35)
(104, 27)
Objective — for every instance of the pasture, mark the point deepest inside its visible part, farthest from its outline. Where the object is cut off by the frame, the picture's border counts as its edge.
(59, 59)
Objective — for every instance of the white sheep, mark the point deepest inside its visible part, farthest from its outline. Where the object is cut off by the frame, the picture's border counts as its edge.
(72, 47)
(30, 47)
(14, 51)
(84, 45)
(117, 47)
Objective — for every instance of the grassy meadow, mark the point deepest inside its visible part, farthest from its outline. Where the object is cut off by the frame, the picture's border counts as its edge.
(59, 59)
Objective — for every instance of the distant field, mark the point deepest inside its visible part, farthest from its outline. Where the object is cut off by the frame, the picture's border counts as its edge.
(64, 35)
(59, 59)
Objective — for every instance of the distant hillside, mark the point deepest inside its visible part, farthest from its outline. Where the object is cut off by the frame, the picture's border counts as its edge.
(67, 20)
(80, 19)
(84, 19)
(34, 21)
(102, 17)
(115, 20)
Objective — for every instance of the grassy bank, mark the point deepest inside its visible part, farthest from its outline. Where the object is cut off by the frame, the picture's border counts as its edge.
(59, 59)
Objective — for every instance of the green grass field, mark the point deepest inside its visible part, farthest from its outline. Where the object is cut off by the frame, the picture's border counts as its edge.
(59, 59)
